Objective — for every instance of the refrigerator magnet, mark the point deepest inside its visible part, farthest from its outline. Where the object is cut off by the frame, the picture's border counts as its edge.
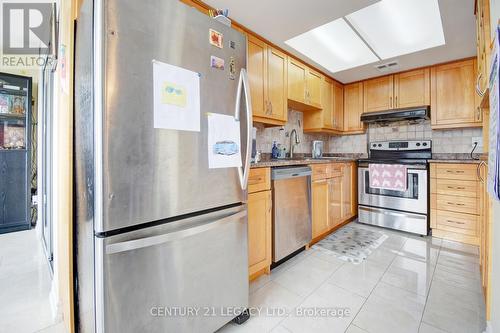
(216, 38)
(217, 63)
(232, 68)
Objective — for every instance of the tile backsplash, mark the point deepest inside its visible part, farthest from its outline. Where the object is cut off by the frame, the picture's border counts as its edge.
(443, 141)
(266, 135)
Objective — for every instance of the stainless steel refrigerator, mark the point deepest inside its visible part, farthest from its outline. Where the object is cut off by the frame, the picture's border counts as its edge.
(158, 233)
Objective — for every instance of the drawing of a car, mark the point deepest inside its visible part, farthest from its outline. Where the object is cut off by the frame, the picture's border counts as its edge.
(226, 148)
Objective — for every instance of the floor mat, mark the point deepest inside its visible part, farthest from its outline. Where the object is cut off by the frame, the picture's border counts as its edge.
(352, 244)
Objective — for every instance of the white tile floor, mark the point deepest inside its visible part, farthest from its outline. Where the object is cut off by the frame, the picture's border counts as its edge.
(408, 284)
(25, 285)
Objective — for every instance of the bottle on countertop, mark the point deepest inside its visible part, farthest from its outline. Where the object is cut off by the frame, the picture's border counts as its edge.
(274, 151)
(283, 152)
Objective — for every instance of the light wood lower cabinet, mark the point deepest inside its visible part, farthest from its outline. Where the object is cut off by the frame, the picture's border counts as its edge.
(259, 223)
(333, 197)
(485, 248)
(335, 201)
(319, 192)
(346, 192)
(456, 202)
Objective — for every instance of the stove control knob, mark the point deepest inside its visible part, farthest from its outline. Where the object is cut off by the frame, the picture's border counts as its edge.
(424, 144)
(418, 144)
(374, 145)
(380, 145)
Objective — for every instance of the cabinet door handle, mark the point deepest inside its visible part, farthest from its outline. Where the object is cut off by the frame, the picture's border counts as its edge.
(455, 204)
(390, 101)
(396, 103)
(478, 113)
(456, 187)
(479, 91)
(456, 222)
(454, 171)
(479, 174)
(255, 180)
(271, 107)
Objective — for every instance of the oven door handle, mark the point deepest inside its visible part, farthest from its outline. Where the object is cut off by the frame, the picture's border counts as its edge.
(413, 171)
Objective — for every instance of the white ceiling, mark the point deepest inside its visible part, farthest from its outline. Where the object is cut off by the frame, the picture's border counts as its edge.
(280, 20)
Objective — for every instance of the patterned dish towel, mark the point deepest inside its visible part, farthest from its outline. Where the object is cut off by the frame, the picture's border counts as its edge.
(388, 176)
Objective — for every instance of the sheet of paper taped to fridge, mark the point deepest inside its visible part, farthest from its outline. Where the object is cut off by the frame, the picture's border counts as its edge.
(224, 149)
(176, 97)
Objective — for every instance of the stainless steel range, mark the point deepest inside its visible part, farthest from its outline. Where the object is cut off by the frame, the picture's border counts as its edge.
(407, 208)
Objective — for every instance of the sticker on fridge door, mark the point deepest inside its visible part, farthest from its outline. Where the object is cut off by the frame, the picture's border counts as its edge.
(217, 63)
(216, 38)
(232, 68)
(224, 149)
(176, 93)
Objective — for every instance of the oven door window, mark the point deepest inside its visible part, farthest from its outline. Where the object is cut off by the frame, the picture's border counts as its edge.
(410, 193)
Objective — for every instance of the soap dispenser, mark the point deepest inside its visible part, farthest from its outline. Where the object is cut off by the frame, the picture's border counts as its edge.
(274, 151)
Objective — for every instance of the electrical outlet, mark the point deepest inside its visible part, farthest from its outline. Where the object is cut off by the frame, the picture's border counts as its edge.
(479, 141)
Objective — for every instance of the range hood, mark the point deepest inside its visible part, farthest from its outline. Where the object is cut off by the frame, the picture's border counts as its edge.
(421, 112)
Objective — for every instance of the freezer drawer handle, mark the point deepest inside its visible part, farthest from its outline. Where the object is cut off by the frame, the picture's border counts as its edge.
(243, 83)
(168, 237)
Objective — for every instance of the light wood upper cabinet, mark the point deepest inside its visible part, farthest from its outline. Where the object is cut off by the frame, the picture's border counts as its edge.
(378, 94)
(412, 88)
(297, 73)
(267, 71)
(328, 103)
(402, 90)
(453, 97)
(257, 74)
(259, 232)
(313, 94)
(329, 119)
(353, 108)
(277, 84)
(338, 106)
(483, 34)
(319, 191)
(304, 87)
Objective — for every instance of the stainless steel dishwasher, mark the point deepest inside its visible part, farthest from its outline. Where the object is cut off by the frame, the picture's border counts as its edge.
(291, 209)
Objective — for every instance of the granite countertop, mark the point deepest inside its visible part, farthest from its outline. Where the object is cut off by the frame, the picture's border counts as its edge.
(458, 158)
(305, 159)
(266, 163)
(469, 161)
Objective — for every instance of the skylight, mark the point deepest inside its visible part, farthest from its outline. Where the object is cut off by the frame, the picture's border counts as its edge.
(396, 27)
(386, 29)
(334, 46)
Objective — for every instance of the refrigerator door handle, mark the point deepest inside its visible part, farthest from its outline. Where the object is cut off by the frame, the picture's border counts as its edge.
(243, 83)
(171, 236)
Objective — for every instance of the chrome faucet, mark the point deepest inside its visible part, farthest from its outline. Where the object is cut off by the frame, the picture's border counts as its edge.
(293, 144)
